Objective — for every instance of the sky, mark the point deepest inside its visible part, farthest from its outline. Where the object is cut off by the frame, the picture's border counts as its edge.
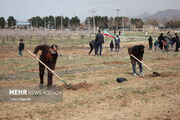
(25, 9)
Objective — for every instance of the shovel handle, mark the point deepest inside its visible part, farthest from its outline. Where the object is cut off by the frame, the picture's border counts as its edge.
(52, 71)
(141, 62)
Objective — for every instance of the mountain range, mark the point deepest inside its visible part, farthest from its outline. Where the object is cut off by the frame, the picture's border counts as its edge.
(169, 14)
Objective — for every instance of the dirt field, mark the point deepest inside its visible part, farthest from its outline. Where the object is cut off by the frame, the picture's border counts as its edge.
(139, 98)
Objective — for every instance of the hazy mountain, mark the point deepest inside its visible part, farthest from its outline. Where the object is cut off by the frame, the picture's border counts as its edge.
(143, 15)
(170, 14)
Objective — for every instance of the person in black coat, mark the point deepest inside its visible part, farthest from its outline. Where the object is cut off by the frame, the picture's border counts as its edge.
(49, 57)
(160, 40)
(150, 40)
(98, 43)
(92, 46)
(177, 42)
(111, 45)
(21, 47)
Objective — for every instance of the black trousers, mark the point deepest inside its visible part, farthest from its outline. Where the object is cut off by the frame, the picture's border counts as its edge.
(161, 45)
(91, 48)
(177, 46)
(42, 71)
(98, 48)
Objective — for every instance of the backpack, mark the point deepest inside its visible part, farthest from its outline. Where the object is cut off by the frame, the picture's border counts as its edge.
(121, 80)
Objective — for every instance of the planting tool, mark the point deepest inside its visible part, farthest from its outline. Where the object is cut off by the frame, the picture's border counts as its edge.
(154, 73)
(68, 85)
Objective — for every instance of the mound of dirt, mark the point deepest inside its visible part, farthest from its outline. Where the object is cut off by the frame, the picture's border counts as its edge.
(77, 86)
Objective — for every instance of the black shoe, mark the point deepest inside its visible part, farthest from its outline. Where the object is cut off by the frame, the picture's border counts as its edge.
(49, 86)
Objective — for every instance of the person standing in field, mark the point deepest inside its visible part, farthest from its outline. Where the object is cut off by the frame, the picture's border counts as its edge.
(21, 47)
(49, 57)
(160, 40)
(112, 45)
(166, 42)
(177, 42)
(170, 39)
(138, 52)
(117, 43)
(119, 33)
(150, 40)
(156, 45)
(98, 43)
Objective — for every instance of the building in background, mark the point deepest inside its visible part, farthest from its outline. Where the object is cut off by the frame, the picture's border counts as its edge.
(23, 25)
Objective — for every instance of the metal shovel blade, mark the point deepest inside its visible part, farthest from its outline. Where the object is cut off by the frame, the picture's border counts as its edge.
(155, 74)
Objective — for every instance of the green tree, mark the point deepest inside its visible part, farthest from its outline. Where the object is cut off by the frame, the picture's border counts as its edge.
(11, 21)
(172, 24)
(51, 22)
(137, 22)
(2, 22)
(58, 22)
(37, 22)
(66, 22)
(75, 21)
(45, 22)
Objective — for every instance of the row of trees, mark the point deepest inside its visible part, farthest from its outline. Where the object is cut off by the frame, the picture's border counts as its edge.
(52, 22)
(60, 22)
(11, 22)
(172, 24)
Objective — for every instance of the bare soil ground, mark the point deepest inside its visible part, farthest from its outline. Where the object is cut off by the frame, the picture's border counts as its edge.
(102, 98)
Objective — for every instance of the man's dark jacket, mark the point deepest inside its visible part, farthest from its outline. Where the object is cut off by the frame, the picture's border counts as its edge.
(99, 38)
(46, 57)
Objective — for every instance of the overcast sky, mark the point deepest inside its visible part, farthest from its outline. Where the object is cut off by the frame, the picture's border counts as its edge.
(25, 9)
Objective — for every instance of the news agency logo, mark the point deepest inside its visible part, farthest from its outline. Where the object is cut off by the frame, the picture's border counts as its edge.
(31, 94)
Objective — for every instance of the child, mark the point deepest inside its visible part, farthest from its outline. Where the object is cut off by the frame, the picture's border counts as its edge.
(156, 44)
(21, 47)
(111, 45)
(165, 45)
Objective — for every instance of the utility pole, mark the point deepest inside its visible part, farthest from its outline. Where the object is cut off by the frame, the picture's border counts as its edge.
(61, 22)
(93, 11)
(44, 23)
(31, 23)
(89, 24)
(54, 22)
(123, 26)
(117, 18)
(68, 23)
(36, 22)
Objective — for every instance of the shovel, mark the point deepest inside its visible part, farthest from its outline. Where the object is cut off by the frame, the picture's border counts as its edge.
(154, 73)
(68, 85)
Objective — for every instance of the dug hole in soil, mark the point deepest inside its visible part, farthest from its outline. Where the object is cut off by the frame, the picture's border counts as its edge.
(82, 85)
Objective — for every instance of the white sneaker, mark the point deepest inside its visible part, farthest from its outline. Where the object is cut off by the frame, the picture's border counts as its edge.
(134, 74)
(141, 74)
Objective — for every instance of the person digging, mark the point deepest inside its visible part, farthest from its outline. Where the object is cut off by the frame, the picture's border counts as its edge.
(137, 51)
(49, 57)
